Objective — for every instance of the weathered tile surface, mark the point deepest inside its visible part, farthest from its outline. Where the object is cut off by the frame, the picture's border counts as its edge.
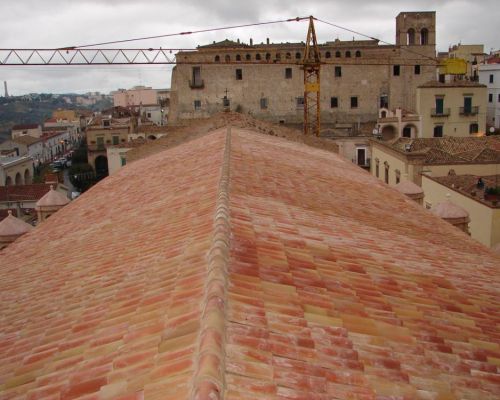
(323, 284)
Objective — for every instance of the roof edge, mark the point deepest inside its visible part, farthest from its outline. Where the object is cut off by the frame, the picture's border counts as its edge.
(210, 358)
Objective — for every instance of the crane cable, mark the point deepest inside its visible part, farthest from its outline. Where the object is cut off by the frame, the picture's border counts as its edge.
(296, 19)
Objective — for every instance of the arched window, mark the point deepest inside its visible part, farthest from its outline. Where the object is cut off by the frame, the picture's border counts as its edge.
(19, 179)
(288, 56)
(383, 114)
(348, 54)
(248, 57)
(338, 54)
(411, 36)
(27, 177)
(257, 57)
(238, 57)
(358, 53)
(298, 56)
(424, 36)
(268, 56)
(217, 59)
(228, 58)
(8, 181)
(278, 56)
(328, 55)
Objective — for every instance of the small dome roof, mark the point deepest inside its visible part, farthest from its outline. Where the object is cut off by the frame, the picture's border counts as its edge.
(408, 187)
(52, 198)
(12, 226)
(449, 210)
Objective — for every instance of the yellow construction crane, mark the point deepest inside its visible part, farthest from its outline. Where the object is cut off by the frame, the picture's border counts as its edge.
(312, 68)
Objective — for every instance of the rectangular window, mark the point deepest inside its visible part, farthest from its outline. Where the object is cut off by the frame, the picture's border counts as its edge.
(490, 98)
(491, 78)
(499, 98)
(386, 177)
(467, 105)
(116, 139)
(100, 142)
(123, 161)
(300, 102)
(438, 131)
(288, 73)
(354, 102)
(196, 81)
(106, 122)
(334, 102)
(417, 70)
(263, 103)
(396, 69)
(239, 74)
(338, 72)
(384, 101)
(197, 105)
(439, 105)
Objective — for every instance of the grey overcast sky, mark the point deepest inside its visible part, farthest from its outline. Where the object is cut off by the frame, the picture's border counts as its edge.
(60, 23)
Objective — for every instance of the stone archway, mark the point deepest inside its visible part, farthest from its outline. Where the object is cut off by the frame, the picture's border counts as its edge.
(389, 132)
(19, 179)
(101, 167)
(152, 137)
(8, 181)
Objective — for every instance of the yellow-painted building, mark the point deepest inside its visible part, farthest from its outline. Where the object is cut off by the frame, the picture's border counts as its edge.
(408, 158)
(455, 108)
(484, 225)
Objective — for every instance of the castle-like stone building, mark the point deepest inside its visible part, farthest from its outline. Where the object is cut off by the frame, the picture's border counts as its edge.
(266, 80)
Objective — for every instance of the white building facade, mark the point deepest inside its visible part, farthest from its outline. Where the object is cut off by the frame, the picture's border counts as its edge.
(489, 75)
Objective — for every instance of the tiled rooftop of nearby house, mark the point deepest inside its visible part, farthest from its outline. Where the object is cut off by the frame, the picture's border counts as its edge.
(467, 186)
(32, 192)
(246, 266)
(453, 150)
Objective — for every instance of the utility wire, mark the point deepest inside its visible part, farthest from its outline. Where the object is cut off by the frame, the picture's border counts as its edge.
(374, 38)
(297, 19)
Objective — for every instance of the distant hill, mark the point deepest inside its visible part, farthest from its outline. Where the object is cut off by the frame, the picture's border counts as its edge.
(36, 108)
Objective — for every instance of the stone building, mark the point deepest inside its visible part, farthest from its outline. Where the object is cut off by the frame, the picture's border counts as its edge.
(266, 80)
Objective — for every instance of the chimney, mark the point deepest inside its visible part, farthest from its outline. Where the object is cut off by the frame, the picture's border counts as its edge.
(251, 42)
(5, 87)
(267, 40)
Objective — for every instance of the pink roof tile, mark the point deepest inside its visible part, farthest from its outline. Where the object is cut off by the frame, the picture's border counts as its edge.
(23, 192)
(448, 209)
(247, 267)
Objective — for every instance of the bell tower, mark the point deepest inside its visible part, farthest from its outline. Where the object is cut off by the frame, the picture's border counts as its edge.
(416, 28)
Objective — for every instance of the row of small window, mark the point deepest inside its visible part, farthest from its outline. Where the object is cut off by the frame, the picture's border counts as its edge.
(438, 129)
(264, 103)
(337, 72)
(288, 56)
(490, 98)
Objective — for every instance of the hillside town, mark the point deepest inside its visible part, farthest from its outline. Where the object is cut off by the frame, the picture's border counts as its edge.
(209, 241)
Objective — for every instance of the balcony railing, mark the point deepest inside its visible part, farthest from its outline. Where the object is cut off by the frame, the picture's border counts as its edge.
(197, 84)
(469, 110)
(440, 113)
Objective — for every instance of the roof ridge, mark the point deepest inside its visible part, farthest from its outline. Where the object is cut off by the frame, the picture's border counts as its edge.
(210, 358)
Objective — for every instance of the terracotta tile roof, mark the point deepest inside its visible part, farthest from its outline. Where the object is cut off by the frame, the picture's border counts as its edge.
(25, 126)
(32, 192)
(26, 140)
(467, 185)
(467, 150)
(196, 128)
(247, 267)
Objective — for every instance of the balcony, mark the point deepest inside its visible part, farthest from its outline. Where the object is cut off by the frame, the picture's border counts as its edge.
(197, 84)
(469, 110)
(445, 112)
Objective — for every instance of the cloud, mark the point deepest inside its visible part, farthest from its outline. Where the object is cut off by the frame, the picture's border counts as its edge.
(59, 23)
